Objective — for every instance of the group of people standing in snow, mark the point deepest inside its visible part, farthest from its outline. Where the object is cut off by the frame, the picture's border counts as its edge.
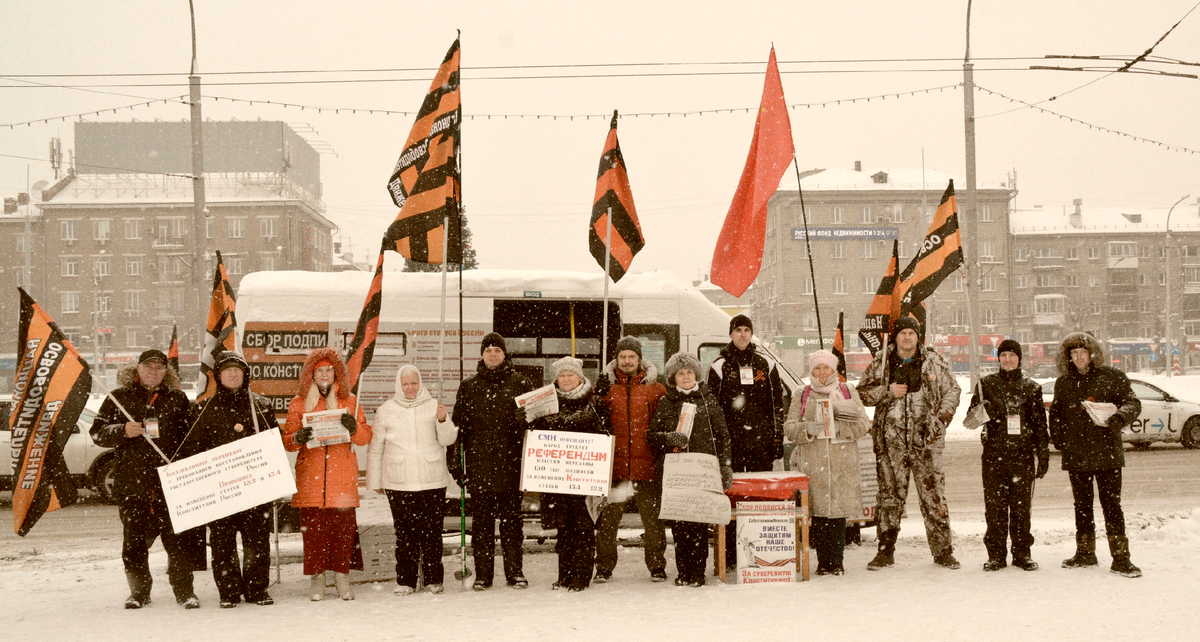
(743, 414)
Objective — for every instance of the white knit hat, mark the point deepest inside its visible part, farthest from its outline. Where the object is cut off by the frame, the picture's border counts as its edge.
(568, 364)
(822, 357)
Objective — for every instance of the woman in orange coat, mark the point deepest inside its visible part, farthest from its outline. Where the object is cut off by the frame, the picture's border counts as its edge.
(326, 476)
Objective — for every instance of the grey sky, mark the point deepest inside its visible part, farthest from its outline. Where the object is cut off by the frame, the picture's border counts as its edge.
(526, 176)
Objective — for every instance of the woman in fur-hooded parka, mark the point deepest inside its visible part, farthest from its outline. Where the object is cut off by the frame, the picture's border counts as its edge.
(326, 476)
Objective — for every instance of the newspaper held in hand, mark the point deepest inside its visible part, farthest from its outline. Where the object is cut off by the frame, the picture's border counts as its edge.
(327, 428)
(825, 416)
(1100, 411)
(538, 403)
(687, 417)
(976, 416)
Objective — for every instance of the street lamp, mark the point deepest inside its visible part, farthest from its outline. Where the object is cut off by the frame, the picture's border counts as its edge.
(1167, 274)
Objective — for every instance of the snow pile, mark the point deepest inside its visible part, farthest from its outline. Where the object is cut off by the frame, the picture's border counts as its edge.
(1178, 527)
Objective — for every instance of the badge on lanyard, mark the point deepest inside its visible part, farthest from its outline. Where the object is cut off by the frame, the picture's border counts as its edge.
(1014, 424)
(747, 374)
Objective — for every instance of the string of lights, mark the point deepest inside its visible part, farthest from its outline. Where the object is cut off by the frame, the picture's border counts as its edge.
(99, 112)
(1107, 130)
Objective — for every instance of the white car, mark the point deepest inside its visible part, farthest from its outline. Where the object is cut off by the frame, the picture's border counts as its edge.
(1164, 417)
(90, 465)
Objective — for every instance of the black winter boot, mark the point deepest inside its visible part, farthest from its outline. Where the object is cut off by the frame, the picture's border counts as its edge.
(1118, 545)
(139, 588)
(887, 550)
(1085, 552)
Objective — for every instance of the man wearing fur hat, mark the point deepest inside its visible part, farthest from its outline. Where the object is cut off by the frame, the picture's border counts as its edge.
(234, 413)
(490, 430)
(746, 384)
(1091, 451)
(915, 396)
(1014, 439)
(158, 410)
(628, 392)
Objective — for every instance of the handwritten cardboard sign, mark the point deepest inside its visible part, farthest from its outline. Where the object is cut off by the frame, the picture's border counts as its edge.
(692, 490)
(571, 463)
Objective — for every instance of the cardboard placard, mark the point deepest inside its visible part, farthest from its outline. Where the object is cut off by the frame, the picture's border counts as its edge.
(766, 541)
(692, 489)
(226, 480)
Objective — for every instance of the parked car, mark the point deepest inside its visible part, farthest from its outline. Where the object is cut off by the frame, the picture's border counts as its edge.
(1164, 418)
(90, 465)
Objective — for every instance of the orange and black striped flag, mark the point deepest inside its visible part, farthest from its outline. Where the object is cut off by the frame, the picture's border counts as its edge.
(173, 351)
(884, 308)
(940, 255)
(426, 183)
(362, 346)
(839, 347)
(221, 331)
(613, 194)
(49, 391)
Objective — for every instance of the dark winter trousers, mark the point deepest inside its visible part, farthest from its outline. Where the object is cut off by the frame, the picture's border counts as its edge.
(648, 496)
(1109, 484)
(691, 549)
(417, 518)
(575, 542)
(141, 521)
(743, 462)
(828, 537)
(1007, 494)
(249, 579)
(330, 536)
(486, 509)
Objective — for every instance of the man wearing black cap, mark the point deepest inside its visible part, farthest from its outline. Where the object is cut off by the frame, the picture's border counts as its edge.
(915, 396)
(746, 384)
(157, 412)
(491, 430)
(1014, 439)
(233, 413)
(1092, 450)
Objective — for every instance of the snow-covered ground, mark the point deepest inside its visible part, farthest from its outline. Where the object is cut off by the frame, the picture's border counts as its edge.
(77, 595)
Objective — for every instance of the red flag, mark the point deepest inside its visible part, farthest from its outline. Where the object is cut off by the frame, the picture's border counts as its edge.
(362, 346)
(173, 351)
(940, 255)
(221, 331)
(49, 391)
(612, 193)
(738, 255)
(839, 347)
(425, 183)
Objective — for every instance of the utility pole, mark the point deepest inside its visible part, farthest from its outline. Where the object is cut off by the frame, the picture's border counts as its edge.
(968, 218)
(1169, 351)
(199, 222)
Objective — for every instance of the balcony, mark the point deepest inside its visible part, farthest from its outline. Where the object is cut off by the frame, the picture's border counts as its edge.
(1048, 262)
(1122, 262)
(1049, 318)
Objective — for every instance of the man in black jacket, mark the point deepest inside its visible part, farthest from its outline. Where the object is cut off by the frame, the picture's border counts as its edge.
(1091, 451)
(231, 414)
(746, 384)
(158, 414)
(1014, 438)
(492, 429)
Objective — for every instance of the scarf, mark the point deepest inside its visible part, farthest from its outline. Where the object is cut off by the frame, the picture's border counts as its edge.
(422, 394)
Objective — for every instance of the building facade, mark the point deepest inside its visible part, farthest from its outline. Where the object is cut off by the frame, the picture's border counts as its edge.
(853, 217)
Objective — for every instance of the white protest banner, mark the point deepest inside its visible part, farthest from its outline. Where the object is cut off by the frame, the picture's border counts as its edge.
(227, 479)
(766, 541)
(692, 490)
(571, 463)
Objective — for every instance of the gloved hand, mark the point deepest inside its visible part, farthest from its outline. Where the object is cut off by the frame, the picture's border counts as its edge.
(521, 416)
(1116, 422)
(677, 440)
(303, 435)
(349, 423)
(726, 477)
(602, 385)
(945, 416)
(1043, 464)
(813, 428)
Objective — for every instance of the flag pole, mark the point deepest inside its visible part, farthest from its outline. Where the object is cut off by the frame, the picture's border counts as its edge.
(808, 250)
(442, 332)
(607, 262)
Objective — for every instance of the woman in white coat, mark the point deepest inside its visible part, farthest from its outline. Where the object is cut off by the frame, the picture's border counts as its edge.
(407, 461)
(828, 457)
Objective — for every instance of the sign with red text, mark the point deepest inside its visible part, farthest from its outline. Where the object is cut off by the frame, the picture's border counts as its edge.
(766, 541)
(226, 480)
(571, 463)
